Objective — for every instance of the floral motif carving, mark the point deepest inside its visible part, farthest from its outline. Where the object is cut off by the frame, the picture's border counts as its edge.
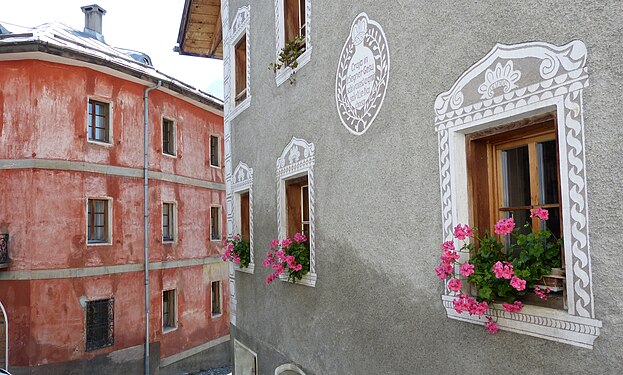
(504, 77)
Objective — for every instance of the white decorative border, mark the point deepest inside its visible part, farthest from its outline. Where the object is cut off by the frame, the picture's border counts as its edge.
(243, 181)
(540, 77)
(240, 26)
(284, 73)
(298, 159)
(288, 367)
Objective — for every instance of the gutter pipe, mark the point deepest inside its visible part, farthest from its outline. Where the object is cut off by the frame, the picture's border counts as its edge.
(146, 214)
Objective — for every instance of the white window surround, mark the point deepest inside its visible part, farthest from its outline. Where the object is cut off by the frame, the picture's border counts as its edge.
(110, 142)
(174, 226)
(241, 26)
(284, 74)
(243, 182)
(288, 369)
(173, 139)
(509, 83)
(109, 218)
(297, 159)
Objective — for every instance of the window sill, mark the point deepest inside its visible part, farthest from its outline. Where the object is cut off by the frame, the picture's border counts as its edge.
(546, 323)
(168, 330)
(216, 316)
(172, 156)
(239, 108)
(100, 143)
(250, 269)
(215, 166)
(308, 279)
(99, 243)
(216, 239)
(284, 74)
(168, 242)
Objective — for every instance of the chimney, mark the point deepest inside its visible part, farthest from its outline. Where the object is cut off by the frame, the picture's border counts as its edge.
(93, 21)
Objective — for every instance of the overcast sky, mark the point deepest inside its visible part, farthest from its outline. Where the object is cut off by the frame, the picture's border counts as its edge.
(149, 26)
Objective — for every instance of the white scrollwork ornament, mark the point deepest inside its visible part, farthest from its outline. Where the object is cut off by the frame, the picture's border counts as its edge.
(362, 75)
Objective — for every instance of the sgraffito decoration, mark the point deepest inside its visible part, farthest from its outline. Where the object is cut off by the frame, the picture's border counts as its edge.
(362, 75)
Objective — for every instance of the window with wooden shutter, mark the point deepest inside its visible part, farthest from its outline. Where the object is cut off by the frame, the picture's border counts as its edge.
(240, 58)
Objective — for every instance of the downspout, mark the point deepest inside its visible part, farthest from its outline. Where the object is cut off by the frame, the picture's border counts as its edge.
(146, 214)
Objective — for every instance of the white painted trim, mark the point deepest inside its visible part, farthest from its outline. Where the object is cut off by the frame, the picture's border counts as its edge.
(243, 182)
(284, 73)
(70, 273)
(238, 109)
(166, 361)
(298, 159)
(241, 26)
(109, 170)
(555, 79)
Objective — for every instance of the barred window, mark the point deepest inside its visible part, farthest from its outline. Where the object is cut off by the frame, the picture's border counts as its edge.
(99, 122)
(100, 324)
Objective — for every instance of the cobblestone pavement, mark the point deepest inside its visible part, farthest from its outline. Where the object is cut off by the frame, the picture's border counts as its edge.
(216, 371)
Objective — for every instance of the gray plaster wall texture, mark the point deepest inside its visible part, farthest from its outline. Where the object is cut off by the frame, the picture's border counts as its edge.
(376, 306)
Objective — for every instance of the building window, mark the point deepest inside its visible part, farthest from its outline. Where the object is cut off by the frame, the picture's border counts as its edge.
(169, 310)
(240, 58)
(100, 324)
(215, 151)
(216, 298)
(244, 216)
(297, 206)
(242, 192)
(168, 137)
(215, 223)
(168, 222)
(294, 19)
(295, 198)
(99, 121)
(98, 227)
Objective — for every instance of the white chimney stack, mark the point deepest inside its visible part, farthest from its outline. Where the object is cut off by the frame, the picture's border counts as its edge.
(93, 20)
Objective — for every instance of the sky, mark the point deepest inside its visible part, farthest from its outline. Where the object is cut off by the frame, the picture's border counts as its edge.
(149, 26)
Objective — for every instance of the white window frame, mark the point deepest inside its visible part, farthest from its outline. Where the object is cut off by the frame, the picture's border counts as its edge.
(173, 140)
(220, 215)
(220, 292)
(241, 26)
(110, 220)
(492, 93)
(219, 161)
(284, 73)
(297, 159)
(111, 138)
(242, 183)
(174, 226)
(166, 330)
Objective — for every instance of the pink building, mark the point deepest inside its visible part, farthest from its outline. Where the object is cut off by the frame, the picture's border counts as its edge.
(72, 198)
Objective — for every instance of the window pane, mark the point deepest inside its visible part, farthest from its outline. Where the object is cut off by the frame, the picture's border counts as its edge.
(553, 223)
(516, 177)
(305, 198)
(548, 172)
(521, 218)
(99, 234)
(100, 110)
(100, 135)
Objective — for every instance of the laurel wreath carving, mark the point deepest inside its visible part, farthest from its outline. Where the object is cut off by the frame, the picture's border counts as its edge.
(358, 120)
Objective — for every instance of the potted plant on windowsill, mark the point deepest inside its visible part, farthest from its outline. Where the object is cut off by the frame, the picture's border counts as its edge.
(498, 275)
(288, 57)
(289, 256)
(237, 251)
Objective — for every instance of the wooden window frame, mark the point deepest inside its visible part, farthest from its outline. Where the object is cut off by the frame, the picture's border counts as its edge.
(218, 151)
(297, 16)
(485, 185)
(91, 218)
(92, 116)
(218, 313)
(169, 137)
(219, 223)
(171, 323)
(295, 215)
(171, 207)
(240, 70)
(303, 22)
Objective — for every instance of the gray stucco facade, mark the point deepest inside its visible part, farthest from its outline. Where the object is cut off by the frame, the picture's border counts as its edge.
(376, 307)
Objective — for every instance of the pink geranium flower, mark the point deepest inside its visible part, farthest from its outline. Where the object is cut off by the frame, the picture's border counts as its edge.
(518, 283)
(515, 307)
(491, 326)
(286, 243)
(463, 231)
(449, 257)
(274, 243)
(447, 246)
(455, 285)
(467, 269)
(300, 237)
(539, 212)
(504, 226)
(444, 270)
(503, 270)
(542, 294)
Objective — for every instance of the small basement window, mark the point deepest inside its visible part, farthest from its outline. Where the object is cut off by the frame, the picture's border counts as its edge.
(240, 58)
